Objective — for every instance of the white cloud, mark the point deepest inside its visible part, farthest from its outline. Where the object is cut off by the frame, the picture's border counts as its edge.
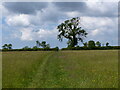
(99, 6)
(73, 14)
(28, 34)
(95, 32)
(18, 20)
(46, 33)
(101, 28)
(91, 23)
(102, 8)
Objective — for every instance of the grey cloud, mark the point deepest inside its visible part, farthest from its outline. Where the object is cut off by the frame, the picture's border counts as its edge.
(25, 7)
(63, 7)
(48, 15)
(85, 10)
(70, 6)
(111, 10)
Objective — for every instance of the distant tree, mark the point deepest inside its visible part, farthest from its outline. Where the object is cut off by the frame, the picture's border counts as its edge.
(85, 44)
(107, 44)
(48, 46)
(9, 46)
(57, 48)
(91, 44)
(71, 30)
(44, 45)
(37, 43)
(98, 44)
(34, 46)
(4, 46)
(26, 47)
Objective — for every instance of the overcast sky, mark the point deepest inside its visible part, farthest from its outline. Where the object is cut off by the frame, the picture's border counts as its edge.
(25, 22)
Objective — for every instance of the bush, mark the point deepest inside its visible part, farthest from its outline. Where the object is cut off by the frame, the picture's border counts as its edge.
(93, 48)
(69, 48)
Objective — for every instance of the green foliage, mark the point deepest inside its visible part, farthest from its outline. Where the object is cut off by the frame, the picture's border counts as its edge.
(56, 48)
(26, 48)
(94, 48)
(91, 44)
(107, 44)
(35, 48)
(43, 44)
(98, 44)
(85, 44)
(47, 46)
(7, 46)
(37, 44)
(71, 30)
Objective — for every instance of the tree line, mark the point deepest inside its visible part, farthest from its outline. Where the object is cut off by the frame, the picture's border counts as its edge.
(73, 32)
(92, 45)
(43, 46)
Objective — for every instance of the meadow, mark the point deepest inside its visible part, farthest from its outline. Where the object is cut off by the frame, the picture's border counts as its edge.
(0, 70)
(62, 69)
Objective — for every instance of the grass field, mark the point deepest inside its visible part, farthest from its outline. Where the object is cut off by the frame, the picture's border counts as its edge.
(63, 69)
(0, 70)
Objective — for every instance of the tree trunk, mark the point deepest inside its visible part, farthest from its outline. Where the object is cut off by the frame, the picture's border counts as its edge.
(74, 41)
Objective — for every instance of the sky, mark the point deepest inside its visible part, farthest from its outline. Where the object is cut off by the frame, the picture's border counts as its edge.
(25, 22)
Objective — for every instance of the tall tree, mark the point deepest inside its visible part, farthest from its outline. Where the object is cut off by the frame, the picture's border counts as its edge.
(72, 31)
(98, 44)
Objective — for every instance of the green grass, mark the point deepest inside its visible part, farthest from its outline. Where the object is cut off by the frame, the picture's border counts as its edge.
(20, 67)
(63, 69)
(0, 70)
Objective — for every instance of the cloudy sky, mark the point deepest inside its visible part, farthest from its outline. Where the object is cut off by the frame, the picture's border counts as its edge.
(25, 22)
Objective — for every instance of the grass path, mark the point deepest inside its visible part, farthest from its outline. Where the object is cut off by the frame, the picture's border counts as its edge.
(39, 73)
(62, 70)
(51, 73)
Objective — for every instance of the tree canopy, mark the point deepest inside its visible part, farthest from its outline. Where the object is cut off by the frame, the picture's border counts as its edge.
(72, 31)
(7, 46)
(91, 44)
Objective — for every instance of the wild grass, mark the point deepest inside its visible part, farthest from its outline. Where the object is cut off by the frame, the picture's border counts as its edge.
(20, 67)
(0, 70)
(63, 69)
